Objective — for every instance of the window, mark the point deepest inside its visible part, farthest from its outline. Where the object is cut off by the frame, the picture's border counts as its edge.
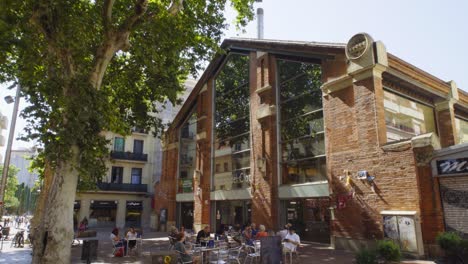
(187, 155)
(232, 124)
(405, 118)
(218, 168)
(461, 126)
(119, 144)
(137, 146)
(301, 123)
(136, 175)
(117, 174)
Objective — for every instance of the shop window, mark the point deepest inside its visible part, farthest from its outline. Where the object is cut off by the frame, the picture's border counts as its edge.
(187, 155)
(116, 174)
(405, 118)
(461, 125)
(232, 124)
(136, 175)
(232, 213)
(137, 146)
(119, 144)
(301, 121)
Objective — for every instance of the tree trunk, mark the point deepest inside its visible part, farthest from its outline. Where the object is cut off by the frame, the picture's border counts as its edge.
(54, 233)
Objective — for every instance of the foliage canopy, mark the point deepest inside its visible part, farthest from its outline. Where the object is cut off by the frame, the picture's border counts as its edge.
(91, 66)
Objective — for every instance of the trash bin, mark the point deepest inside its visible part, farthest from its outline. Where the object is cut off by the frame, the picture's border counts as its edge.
(89, 250)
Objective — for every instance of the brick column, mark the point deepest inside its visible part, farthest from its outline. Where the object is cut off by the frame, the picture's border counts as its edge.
(446, 123)
(202, 177)
(263, 158)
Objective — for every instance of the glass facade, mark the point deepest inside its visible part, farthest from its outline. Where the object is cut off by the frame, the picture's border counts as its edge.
(406, 118)
(232, 213)
(301, 121)
(461, 125)
(187, 154)
(232, 125)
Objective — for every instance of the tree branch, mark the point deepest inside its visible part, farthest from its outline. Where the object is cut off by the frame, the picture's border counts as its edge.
(107, 14)
(140, 9)
(176, 7)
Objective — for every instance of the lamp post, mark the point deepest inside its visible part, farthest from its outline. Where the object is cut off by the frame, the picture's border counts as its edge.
(6, 164)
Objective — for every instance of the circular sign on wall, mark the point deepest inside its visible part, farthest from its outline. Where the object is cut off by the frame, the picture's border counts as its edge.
(358, 45)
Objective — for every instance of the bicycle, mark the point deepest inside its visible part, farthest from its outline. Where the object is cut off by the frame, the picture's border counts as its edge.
(18, 239)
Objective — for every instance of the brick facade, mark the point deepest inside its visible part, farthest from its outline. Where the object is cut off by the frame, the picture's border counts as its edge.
(355, 140)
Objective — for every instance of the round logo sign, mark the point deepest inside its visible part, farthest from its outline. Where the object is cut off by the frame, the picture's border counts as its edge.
(358, 45)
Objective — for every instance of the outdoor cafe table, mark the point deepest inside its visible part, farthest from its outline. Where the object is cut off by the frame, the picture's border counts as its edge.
(203, 250)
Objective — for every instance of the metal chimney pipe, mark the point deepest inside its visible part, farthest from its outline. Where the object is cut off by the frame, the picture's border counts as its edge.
(260, 23)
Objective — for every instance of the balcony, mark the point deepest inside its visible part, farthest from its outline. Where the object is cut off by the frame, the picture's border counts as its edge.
(120, 155)
(139, 130)
(122, 187)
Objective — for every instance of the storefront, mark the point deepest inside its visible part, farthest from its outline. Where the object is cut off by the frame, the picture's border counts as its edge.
(451, 168)
(133, 215)
(103, 213)
(311, 217)
(232, 213)
(185, 215)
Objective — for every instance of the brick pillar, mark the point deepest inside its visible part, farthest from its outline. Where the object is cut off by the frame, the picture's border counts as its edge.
(446, 123)
(431, 211)
(202, 177)
(263, 157)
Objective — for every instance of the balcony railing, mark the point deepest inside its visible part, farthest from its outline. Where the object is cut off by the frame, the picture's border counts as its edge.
(129, 156)
(122, 187)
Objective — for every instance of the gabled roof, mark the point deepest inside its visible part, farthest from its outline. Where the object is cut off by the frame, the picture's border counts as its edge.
(292, 48)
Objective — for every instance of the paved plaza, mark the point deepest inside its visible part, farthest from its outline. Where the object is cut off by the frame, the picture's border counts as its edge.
(155, 241)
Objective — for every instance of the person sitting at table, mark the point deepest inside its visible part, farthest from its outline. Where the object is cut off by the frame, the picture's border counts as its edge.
(291, 241)
(203, 236)
(262, 232)
(173, 232)
(180, 247)
(283, 233)
(254, 229)
(117, 241)
(131, 237)
(247, 234)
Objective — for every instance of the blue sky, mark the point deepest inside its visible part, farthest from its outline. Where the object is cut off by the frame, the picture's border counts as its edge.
(432, 35)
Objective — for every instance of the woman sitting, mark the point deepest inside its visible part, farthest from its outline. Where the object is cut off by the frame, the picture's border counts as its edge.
(117, 241)
(131, 237)
(180, 247)
(261, 233)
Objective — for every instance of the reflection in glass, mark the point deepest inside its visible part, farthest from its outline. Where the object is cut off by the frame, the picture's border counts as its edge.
(232, 125)
(405, 118)
(187, 154)
(461, 126)
(302, 130)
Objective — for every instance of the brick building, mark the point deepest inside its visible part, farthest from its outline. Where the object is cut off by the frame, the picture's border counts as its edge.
(336, 139)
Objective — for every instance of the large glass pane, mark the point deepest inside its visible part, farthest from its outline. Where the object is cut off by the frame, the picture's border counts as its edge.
(462, 130)
(136, 175)
(301, 119)
(405, 118)
(232, 125)
(187, 156)
(305, 170)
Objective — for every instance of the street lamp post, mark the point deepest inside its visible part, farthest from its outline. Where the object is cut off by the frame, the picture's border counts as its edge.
(6, 164)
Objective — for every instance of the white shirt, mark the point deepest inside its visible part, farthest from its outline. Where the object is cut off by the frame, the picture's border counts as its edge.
(132, 236)
(295, 238)
(283, 233)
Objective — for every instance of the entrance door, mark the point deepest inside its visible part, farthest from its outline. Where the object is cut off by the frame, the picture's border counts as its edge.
(187, 215)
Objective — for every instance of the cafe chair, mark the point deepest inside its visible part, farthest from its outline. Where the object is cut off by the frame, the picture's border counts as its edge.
(252, 254)
(179, 258)
(234, 255)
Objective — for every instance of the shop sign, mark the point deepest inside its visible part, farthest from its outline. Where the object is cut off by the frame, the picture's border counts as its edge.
(103, 204)
(452, 166)
(134, 204)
